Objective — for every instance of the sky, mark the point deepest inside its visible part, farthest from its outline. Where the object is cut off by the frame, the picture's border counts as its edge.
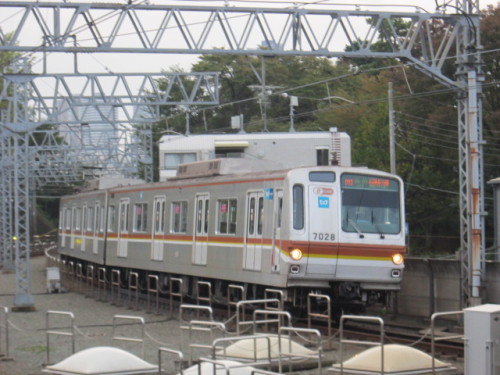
(156, 63)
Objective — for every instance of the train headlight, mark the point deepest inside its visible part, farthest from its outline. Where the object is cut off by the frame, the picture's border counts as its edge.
(296, 254)
(397, 259)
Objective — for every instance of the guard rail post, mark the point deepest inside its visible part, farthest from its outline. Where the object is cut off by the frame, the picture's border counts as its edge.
(115, 287)
(280, 317)
(175, 283)
(232, 290)
(154, 279)
(133, 288)
(79, 277)
(90, 280)
(130, 339)
(170, 351)
(49, 332)
(327, 316)
(434, 339)
(359, 342)
(101, 284)
(207, 286)
(4, 324)
(241, 306)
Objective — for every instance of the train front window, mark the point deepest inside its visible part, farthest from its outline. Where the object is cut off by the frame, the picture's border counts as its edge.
(370, 204)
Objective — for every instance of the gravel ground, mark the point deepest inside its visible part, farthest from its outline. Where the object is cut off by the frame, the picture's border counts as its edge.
(94, 327)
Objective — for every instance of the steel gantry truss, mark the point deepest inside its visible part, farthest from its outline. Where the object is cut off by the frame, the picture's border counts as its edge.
(31, 157)
(298, 30)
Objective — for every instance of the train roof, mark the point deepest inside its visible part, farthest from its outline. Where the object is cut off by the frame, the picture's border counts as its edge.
(227, 176)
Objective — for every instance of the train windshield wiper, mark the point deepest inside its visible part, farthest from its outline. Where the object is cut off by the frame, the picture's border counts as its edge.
(361, 234)
(375, 224)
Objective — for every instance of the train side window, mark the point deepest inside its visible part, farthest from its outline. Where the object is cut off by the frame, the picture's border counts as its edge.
(97, 218)
(179, 217)
(90, 219)
(112, 218)
(298, 207)
(159, 213)
(140, 217)
(68, 218)
(61, 218)
(260, 217)
(78, 219)
(199, 216)
(251, 219)
(84, 218)
(124, 203)
(227, 209)
(101, 229)
(206, 216)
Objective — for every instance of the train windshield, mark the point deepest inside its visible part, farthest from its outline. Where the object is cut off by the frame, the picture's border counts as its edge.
(370, 204)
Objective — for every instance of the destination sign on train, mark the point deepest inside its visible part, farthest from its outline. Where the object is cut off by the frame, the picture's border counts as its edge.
(368, 182)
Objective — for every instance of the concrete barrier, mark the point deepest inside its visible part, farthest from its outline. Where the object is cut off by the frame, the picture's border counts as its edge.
(433, 285)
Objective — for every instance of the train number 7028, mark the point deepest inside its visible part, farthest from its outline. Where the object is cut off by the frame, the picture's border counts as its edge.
(320, 236)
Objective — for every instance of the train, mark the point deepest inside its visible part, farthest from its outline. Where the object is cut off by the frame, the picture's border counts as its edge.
(334, 230)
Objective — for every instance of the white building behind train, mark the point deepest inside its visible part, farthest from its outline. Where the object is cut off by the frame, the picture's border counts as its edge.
(272, 150)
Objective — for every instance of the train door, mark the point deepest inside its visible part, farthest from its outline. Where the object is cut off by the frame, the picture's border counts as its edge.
(158, 228)
(252, 257)
(200, 237)
(95, 228)
(278, 215)
(323, 228)
(123, 214)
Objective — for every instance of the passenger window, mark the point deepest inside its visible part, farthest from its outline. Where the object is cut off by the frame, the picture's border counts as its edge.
(199, 214)
(260, 218)
(68, 218)
(251, 219)
(227, 210)
(78, 219)
(124, 204)
(179, 217)
(84, 218)
(140, 217)
(298, 207)
(111, 218)
(90, 219)
(206, 216)
(97, 219)
(101, 229)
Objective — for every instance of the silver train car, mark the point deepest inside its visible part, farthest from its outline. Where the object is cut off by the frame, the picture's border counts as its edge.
(329, 229)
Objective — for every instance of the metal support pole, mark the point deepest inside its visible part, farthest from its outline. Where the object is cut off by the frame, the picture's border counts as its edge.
(23, 301)
(469, 105)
